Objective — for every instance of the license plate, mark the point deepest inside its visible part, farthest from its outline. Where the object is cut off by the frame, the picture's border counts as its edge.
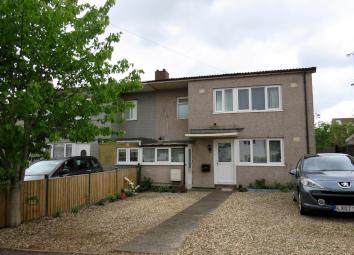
(344, 208)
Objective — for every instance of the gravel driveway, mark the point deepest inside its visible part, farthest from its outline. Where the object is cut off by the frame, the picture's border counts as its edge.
(269, 223)
(99, 229)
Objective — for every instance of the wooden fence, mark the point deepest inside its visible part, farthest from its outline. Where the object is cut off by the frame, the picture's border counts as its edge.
(48, 197)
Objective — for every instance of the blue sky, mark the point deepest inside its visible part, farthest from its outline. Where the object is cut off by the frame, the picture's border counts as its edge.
(196, 37)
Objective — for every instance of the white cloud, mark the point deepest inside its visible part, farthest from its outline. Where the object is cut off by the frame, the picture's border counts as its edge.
(215, 36)
(344, 109)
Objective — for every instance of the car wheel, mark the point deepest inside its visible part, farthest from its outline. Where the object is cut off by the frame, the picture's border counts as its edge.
(301, 205)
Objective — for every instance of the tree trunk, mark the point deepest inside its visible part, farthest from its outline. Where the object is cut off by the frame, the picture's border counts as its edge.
(13, 216)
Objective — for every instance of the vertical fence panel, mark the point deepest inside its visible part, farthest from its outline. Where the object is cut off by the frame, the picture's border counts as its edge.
(66, 193)
(3, 203)
(33, 200)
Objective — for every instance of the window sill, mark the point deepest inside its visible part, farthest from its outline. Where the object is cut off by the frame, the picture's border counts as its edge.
(127, 163)
(162, 164)
(261, 164)
(256, 111)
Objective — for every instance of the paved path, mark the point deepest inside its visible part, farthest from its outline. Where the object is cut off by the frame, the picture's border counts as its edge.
(29, 252)
(171, 234)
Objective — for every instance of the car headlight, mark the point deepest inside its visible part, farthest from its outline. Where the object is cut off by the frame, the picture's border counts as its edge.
(310, 183)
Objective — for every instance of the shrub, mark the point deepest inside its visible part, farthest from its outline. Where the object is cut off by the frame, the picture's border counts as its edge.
(131, 187)
(74, 210)
(100, 202)
(146, 184)
(129, 193)
(261, 184)
(112, 198)
(56, 214)
(241, 188)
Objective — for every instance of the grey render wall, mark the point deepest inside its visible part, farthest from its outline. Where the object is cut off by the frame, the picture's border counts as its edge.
(144, 126)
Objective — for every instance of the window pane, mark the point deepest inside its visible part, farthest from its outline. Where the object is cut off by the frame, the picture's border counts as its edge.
(58, 150)
(243, 99)
(162, 155)
(245, 151)
(224, 152)
(259, 151)
(273, 98)
(133, 155)
(258, 99)
(122, 155)
(274, 151)
(182, 108)
(68, 151)
(228, 100)
(131, 113)
(177, 154)
(148, 154)
(218, 103)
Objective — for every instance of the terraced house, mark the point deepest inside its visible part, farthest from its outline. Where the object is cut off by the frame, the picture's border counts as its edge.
(226, 129)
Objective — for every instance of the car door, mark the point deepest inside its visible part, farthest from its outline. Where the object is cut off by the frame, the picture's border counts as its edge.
(80, 165)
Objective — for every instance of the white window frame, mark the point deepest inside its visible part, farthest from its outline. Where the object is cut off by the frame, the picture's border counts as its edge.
(127, 158)
(178, 103)
(239, 163)
(168, 163)
(235, 100)
(133, 110)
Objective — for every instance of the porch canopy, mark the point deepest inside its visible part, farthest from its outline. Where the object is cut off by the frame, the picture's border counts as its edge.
(213, 132)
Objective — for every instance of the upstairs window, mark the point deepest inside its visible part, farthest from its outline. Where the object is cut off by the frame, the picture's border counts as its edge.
(263, 98)
(131, 113)
(182, 108)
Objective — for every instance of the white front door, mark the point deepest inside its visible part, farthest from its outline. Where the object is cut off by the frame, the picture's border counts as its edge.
(224, 166)
(189, 167)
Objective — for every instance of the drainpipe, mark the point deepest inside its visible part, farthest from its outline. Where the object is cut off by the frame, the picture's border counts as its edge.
(306, 115)
(184, 167)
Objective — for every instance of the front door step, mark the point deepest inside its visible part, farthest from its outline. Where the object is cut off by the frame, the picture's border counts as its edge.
(228, 188)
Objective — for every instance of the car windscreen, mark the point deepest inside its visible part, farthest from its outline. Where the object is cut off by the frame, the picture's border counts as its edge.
(330, 163)
(43, 167)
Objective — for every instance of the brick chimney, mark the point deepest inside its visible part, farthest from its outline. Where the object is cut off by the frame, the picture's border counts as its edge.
(161, 75)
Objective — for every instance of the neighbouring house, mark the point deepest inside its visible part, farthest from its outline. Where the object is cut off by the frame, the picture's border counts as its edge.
(66, 148)
(341, 121)
(212, 130)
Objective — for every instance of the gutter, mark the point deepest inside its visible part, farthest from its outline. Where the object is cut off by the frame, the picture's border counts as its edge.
(306, 114)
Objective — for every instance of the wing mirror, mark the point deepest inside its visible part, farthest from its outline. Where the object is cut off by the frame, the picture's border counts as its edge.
(293, 172)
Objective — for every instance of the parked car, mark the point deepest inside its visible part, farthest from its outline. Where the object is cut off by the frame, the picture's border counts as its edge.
(324, 182)
(63, 167)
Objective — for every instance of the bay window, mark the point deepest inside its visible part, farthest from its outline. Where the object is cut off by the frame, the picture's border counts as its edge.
(127, 156)
(260, 151)
(162, 155)
(148, 154)
(177, 154)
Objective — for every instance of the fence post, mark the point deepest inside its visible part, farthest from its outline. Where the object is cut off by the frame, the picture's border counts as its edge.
(46, 194)
(89, 190)
(138, 174)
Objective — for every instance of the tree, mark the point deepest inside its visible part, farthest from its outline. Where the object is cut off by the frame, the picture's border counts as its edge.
(334, 134)
(323, 135)
(56, 74)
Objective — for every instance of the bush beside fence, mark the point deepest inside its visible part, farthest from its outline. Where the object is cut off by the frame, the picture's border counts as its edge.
(51, 196)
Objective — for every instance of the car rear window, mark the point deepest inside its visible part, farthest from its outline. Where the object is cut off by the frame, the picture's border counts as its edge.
(331, 163)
